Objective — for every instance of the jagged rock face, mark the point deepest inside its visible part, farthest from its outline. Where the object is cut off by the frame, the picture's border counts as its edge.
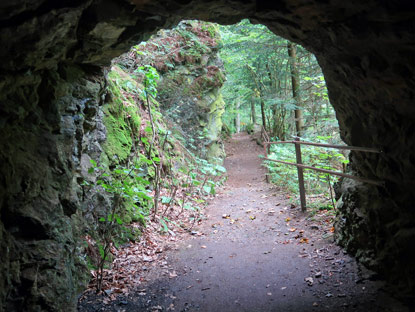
(191, 78)
(365, 49)
(48, 122)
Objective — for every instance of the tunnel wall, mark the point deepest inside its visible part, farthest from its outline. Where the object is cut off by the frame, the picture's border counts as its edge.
(52, 54)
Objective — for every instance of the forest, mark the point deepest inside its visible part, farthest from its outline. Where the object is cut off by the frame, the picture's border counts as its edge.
(279, 85)
(173, 102)
(207, 156)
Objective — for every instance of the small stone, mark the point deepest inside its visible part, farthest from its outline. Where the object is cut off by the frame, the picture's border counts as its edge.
(329, 295)
(309, 281)
(317, 275)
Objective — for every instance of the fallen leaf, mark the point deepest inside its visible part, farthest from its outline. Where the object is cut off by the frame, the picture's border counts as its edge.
(288, 219)
(203, 246)
(252, 217)
(332, 229)
(304, 240)
(292, 229)
(147, 258)
(226, 216)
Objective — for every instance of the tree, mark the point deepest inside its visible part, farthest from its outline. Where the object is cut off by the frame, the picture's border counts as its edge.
(286, 90)
(295, 86)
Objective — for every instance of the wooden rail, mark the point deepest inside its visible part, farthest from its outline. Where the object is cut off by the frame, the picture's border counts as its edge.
(346, 147)
(301, 167)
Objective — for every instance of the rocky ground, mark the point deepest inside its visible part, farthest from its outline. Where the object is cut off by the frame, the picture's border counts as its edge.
(255, 251)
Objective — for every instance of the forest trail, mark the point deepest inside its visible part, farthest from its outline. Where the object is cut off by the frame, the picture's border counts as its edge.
(257, 252)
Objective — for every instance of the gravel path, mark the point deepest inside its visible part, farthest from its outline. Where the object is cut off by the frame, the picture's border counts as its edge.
(254, 252)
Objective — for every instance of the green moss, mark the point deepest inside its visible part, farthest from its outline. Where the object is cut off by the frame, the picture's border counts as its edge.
(118, 144)
(212, 29)
(122, 116)
(217, 108)
(214, 127)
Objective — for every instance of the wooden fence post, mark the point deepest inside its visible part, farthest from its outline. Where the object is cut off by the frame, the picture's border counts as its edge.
(267, 179)
(300, 174)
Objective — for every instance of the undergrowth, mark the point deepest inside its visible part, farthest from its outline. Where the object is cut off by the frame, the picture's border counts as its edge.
(318, 185)
(148, 176)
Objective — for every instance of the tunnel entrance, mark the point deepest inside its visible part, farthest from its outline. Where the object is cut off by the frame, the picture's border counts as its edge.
(365, 51)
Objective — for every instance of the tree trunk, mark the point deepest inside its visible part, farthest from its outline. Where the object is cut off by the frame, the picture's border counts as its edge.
(238, 118)
(295, 83)
(264, 121)
(253, 113)
(260, 89)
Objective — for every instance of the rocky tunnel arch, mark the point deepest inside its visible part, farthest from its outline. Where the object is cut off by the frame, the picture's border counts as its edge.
(52, 58)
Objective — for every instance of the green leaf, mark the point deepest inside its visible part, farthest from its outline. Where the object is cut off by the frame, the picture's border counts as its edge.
(207, 189)
(118, 220)
(101, 251)
(166, 200)
(165, 227)
(221, 168)
(148, 129)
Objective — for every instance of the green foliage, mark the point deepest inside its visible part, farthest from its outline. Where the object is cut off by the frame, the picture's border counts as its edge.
(315, 182)
(258, 71)
(249, 128)
(151, 77)
(122, 115)
(123, 185)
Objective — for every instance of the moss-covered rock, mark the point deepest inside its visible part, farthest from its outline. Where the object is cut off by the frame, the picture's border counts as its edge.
(122, 115)
(192, 76)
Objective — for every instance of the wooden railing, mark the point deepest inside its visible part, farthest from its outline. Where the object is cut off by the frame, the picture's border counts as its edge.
(300, 166)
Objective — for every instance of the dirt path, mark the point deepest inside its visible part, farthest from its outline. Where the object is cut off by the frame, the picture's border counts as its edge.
(264, 256)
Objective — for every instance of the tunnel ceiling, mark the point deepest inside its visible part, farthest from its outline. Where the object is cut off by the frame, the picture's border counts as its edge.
(365, 48)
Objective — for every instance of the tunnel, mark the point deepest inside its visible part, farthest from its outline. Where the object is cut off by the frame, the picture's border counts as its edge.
(52, 80)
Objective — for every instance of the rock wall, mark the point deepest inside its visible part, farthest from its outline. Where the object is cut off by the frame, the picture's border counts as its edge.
(50, 83)
(192, 75)
(48, 123)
